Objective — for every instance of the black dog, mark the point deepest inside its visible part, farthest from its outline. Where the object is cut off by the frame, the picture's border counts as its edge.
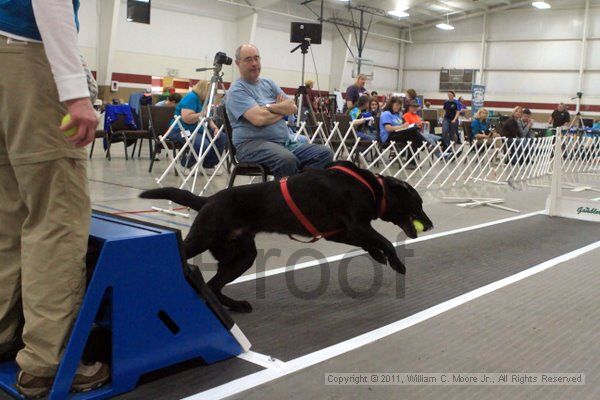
(332, 200)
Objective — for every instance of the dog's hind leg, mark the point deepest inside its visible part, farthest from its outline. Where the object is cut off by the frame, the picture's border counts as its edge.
(235, 257)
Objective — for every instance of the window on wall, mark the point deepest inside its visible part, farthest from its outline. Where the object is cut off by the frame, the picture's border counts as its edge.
(138, 11)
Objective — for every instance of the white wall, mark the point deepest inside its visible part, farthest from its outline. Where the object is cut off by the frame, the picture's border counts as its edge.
(187, 36)
(385, 55)
(532, 55)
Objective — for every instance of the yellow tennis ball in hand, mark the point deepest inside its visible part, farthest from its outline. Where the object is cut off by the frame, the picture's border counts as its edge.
(66, 119)
(418, 225)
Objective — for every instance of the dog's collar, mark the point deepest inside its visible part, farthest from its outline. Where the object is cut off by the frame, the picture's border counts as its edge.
(383, 203)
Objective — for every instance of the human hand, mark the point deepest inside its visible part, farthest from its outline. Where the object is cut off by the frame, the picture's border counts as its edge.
(280, 98)
(83, 116)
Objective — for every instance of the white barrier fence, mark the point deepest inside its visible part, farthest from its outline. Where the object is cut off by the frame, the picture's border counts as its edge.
(575, 155)
(498, 161)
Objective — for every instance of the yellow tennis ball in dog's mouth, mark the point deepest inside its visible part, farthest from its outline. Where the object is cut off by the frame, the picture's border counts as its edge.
(66, 119)
(418, 225)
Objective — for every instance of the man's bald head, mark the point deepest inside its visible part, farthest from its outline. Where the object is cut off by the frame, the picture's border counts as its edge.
(239, 50)
(247, 58)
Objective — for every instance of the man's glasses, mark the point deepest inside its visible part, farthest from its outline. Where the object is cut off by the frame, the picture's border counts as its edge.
(248, 60)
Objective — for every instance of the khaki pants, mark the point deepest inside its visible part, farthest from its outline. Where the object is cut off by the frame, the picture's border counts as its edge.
(44, 211)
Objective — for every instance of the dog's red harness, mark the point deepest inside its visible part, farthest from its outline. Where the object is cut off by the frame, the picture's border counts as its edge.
(308, 225)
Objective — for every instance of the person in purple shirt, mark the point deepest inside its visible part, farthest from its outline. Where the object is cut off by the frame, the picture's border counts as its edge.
(354, 91)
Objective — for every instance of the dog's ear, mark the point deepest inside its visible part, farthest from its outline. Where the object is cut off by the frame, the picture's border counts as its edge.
(400, 186)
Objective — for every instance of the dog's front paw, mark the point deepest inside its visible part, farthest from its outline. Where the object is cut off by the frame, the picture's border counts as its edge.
(397, 265)
(378, 256)
(241, 307)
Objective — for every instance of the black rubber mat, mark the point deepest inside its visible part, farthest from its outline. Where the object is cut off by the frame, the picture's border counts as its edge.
(300, 312)
(287, 326)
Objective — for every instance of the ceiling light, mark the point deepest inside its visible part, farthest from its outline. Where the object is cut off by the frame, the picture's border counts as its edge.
(398, 14)
(444, 26)
(542, 5)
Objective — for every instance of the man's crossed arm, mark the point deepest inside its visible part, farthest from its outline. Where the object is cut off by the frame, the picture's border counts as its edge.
(263, 116)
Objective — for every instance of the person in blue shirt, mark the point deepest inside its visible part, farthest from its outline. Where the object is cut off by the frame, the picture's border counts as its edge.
(256, 107)
(393, 129)
(362, 119)
(460, 103)
(480, 129)
(190, 108)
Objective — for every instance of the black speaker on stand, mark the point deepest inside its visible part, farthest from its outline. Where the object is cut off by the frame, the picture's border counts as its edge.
(305, 34)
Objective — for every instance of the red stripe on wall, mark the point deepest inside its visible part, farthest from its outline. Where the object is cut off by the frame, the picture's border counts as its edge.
(132, 78)
(534, 106)
(181, 85)
(147, 79)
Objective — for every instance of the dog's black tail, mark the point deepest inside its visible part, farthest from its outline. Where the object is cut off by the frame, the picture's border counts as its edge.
(183, 197)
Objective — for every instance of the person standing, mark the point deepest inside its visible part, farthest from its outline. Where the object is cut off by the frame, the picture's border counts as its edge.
(560, 116)
(450, 121)
(44, 199)
(411, 96)
(354, 91)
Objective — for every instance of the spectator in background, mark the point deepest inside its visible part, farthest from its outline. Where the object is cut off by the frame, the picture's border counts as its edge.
(411, 95)
(374, 107)
(462, 108)
(190, 108)
(354, 91)
(450, 121)
(374, 94)
(526, 124)
(392, 128)
(412, 117)
(256, 107)
(363, 120)
(560, 116)
(307, 100)
(480, 129)
(511, 128)
(170, 101)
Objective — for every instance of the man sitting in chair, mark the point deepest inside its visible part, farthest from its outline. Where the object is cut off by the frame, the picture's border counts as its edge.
(256, 108)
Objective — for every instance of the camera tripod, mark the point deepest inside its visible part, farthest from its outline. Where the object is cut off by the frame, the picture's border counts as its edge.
(577, 122)
(302, 88)
(190, 137)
